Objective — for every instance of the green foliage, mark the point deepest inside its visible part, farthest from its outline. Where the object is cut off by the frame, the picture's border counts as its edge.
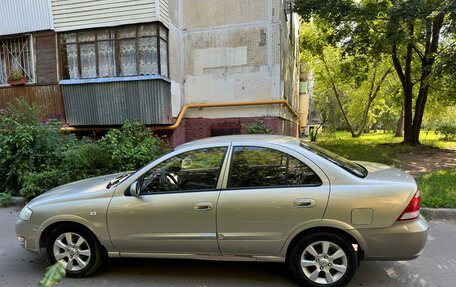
(417, 36)
(5, 199)
(378, 147)
(26, 145)
(313, 135)
(257, 127)
(447, 131)
(438, 189)
(132, 146)
(357, 85)
(36, 156)
(53, 275)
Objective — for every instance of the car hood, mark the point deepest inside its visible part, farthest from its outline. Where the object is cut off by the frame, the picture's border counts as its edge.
(95, 187)
(383, 172)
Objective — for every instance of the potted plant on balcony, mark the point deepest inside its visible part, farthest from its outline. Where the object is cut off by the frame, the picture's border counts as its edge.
(17, 78)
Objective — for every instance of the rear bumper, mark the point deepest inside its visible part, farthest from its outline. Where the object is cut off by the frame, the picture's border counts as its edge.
(402, 241)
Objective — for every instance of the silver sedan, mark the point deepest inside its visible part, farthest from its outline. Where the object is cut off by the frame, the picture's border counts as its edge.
(254, 198)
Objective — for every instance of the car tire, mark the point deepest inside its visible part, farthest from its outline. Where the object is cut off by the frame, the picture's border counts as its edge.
(323, 259)
(79, 249)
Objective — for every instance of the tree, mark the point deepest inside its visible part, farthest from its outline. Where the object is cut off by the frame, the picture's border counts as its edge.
(416, 34)
(354, 82)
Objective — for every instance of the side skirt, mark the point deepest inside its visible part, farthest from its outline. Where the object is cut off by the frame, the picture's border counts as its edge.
(197, 257)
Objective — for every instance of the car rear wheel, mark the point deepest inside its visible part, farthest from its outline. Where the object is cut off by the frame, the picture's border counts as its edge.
(78, 250)
(323, 259)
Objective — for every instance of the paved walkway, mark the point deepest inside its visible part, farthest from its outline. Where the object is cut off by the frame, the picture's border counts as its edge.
(426, 160)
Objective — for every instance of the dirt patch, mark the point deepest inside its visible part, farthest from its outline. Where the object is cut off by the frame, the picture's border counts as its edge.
(427, 159)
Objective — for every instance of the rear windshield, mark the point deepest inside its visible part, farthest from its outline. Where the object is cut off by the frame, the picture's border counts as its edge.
(344, 163)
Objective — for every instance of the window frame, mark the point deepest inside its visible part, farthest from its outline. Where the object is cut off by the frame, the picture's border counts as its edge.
(116, 40)
(31, 79)
(230, 169)
(172, 155)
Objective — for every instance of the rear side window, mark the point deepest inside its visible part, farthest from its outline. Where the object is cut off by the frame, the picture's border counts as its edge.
(264, 167)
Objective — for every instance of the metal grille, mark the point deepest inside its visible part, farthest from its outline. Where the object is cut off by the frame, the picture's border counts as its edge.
(16, 59)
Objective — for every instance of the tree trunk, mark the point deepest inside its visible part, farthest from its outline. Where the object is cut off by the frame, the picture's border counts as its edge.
(372, 95)
(405, 75)
(427, 62)
(336, 94)
(331, 115)
(400, 125)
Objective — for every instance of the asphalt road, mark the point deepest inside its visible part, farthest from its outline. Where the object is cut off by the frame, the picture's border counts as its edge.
(436, 267)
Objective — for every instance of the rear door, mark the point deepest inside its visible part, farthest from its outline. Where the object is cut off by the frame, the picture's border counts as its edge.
(270, 191)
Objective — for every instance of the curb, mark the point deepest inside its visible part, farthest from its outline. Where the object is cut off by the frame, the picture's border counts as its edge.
(439, 213)
(17, 200)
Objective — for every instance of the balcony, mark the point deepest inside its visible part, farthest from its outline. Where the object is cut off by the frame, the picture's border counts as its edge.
(111, 101)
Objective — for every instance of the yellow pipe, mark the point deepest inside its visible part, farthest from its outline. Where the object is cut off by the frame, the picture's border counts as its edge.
(199, 106)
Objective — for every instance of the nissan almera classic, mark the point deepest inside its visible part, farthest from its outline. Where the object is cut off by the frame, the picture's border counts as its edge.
(258, 198)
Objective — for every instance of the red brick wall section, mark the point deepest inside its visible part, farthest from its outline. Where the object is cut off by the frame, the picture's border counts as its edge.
(198, 128)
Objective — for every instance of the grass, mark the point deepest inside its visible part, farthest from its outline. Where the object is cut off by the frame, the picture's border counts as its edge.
(376, 147)
(438, 189)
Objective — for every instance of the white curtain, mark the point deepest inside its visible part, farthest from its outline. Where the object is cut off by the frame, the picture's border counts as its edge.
(164, 58)
(148, 56)
(106, 59)
(127, 58)
(72, 58)
(88, 61)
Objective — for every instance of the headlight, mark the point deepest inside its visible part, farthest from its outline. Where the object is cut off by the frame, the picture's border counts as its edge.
(26, 213)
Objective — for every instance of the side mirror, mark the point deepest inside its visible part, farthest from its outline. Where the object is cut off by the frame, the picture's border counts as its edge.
(135, 189)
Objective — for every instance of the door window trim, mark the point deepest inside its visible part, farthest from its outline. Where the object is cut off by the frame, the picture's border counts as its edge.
(230, 167)
(219, 177)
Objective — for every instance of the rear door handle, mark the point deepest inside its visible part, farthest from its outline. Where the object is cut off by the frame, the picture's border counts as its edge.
(202, 206)
(305, 202)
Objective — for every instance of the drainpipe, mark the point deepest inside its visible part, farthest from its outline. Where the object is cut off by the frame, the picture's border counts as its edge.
(196, 106)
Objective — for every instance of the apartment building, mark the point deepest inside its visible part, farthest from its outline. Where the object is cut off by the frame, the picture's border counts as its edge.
(186, 68)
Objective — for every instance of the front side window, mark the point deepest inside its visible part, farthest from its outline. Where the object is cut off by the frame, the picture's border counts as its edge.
(264, 167)
(133, 50)
(189, 171)
(16, 61)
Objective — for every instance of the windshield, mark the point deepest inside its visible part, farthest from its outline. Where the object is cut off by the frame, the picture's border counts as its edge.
(344, 163)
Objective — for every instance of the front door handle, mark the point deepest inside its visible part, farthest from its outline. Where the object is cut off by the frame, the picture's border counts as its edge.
(202, 206)
(305, 202)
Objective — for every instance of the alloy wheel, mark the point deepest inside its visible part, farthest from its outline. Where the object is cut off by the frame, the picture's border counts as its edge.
(73, 249)
(324, 262)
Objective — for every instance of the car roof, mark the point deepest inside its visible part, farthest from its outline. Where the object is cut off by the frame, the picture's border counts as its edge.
(277, 139)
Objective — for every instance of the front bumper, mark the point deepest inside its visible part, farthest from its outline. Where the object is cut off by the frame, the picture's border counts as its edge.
(402, 241)
(29, 232)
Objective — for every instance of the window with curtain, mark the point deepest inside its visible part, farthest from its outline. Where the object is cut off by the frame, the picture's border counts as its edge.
(132, 50)
(16, 61)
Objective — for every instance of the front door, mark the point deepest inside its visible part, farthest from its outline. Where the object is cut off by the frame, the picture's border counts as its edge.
(176, 209)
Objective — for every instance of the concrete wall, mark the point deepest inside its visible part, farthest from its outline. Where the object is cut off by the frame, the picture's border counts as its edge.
(230, 50)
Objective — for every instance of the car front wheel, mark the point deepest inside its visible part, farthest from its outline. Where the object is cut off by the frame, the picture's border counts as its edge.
(323, 259)
(78, 250)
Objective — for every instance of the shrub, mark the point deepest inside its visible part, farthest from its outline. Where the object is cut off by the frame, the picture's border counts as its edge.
(447, 131)
(25, 144)
(132, 146)
(35, 157)
(257, 127)
(5, 199)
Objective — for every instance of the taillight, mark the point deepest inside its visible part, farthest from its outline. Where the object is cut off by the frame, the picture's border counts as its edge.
(412, 210)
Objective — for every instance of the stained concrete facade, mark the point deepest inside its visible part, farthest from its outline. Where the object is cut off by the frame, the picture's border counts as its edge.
(234, 51)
